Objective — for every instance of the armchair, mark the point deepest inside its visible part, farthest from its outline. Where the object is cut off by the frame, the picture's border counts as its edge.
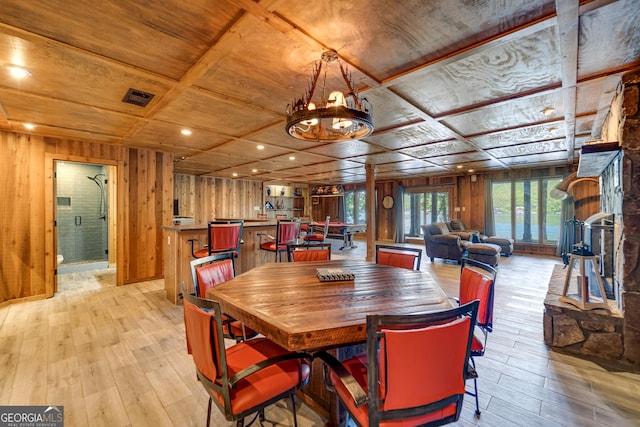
(440, 243)
(457, 226)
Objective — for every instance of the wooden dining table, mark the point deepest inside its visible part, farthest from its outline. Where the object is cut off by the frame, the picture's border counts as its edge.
(287, 303)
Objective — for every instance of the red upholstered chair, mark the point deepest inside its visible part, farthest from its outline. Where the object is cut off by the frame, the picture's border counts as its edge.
(305, 226)
(309, 252)
(398, 256)
(212, 271)
(477, 282)
(414, 370)
(317, 234)
(243, 379)
(286, 233)
(262, 216)
(222, 236)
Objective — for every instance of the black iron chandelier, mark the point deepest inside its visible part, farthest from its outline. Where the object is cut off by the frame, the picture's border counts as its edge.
(336, 116)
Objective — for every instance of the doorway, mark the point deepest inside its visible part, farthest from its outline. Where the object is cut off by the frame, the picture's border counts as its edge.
(83, 216)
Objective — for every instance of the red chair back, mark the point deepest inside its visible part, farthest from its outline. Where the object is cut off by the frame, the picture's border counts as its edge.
(213, 274)
(432, 355)
(414, 371)
(225, 236)
(478, 284)
(309, 252)
(287, 232)
(312, 255)
(399, 256)
(200, 331)
(210, 271)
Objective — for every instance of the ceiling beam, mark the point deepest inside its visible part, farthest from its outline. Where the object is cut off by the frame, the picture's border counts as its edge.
(568, 27)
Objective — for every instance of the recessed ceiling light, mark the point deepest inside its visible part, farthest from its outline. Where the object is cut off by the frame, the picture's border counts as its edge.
(260, 147)
(18, 71)
(254, 170)
(186, 132)
(445, 161)
(292, 157)
(234, 174)
(459, 167)
(471, 170)
(29, 126)
(548, 111)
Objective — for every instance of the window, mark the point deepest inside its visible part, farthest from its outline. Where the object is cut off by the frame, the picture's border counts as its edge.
(355, 207)
(525, 211)
(424, 207)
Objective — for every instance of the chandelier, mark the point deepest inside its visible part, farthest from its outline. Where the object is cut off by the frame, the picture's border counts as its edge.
(332, 116)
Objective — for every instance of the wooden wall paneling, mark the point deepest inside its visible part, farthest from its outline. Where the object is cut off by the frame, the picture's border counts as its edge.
(472, 199)
(209, 194)
(146, 206)
(50, 234)
(206, 198)
(34, 175)
(385, 218)
(181, 186)
(477, 205)
(112, 194)
(21, 264)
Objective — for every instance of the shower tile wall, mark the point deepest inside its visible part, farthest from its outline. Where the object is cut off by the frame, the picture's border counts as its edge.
(82, 225)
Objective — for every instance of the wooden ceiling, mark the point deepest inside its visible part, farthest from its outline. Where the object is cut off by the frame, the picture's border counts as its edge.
(454, 84)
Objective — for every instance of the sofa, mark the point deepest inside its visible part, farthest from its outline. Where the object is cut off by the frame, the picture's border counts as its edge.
(439, 242)
(457, 226)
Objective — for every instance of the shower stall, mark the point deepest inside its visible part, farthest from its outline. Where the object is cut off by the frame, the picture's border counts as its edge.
(82, 211)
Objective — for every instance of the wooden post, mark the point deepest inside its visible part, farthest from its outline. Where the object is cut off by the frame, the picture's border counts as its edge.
(371, 211)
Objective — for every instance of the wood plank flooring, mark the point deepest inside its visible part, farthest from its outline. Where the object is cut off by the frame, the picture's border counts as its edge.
(116, 356)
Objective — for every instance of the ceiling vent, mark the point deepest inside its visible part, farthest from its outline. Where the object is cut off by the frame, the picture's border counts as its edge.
(137, 97)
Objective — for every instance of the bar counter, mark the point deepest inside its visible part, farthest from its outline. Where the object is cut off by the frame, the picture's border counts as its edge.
(177, 252)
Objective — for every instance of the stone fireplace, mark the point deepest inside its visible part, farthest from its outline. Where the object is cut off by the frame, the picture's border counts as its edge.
(610, 334)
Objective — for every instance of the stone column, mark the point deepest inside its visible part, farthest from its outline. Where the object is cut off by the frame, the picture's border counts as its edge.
(630, 145)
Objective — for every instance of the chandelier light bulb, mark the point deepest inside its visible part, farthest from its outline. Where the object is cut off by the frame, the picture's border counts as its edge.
(311, 122)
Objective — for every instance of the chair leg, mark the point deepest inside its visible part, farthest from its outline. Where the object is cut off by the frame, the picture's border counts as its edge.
(209, 412)
(475, 388)
(293, 409)
(475, 394)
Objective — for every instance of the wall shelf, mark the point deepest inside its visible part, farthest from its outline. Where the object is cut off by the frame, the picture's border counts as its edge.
(284, 199)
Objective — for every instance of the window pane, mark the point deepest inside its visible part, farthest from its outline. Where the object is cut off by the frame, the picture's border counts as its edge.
(526, 198)
(552, 208)
(424, 208)
(349, 205)
(361, 209)
(501, 198)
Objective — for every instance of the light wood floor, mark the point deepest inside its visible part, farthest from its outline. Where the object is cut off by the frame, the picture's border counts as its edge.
(116, 356)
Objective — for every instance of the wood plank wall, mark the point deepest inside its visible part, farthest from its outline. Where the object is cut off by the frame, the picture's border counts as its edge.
(27, 258)
(206, 198)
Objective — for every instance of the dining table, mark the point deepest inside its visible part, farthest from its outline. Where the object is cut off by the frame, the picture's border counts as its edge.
(287, 303)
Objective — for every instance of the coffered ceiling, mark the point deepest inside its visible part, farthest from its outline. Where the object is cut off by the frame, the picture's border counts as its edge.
(454, 84)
